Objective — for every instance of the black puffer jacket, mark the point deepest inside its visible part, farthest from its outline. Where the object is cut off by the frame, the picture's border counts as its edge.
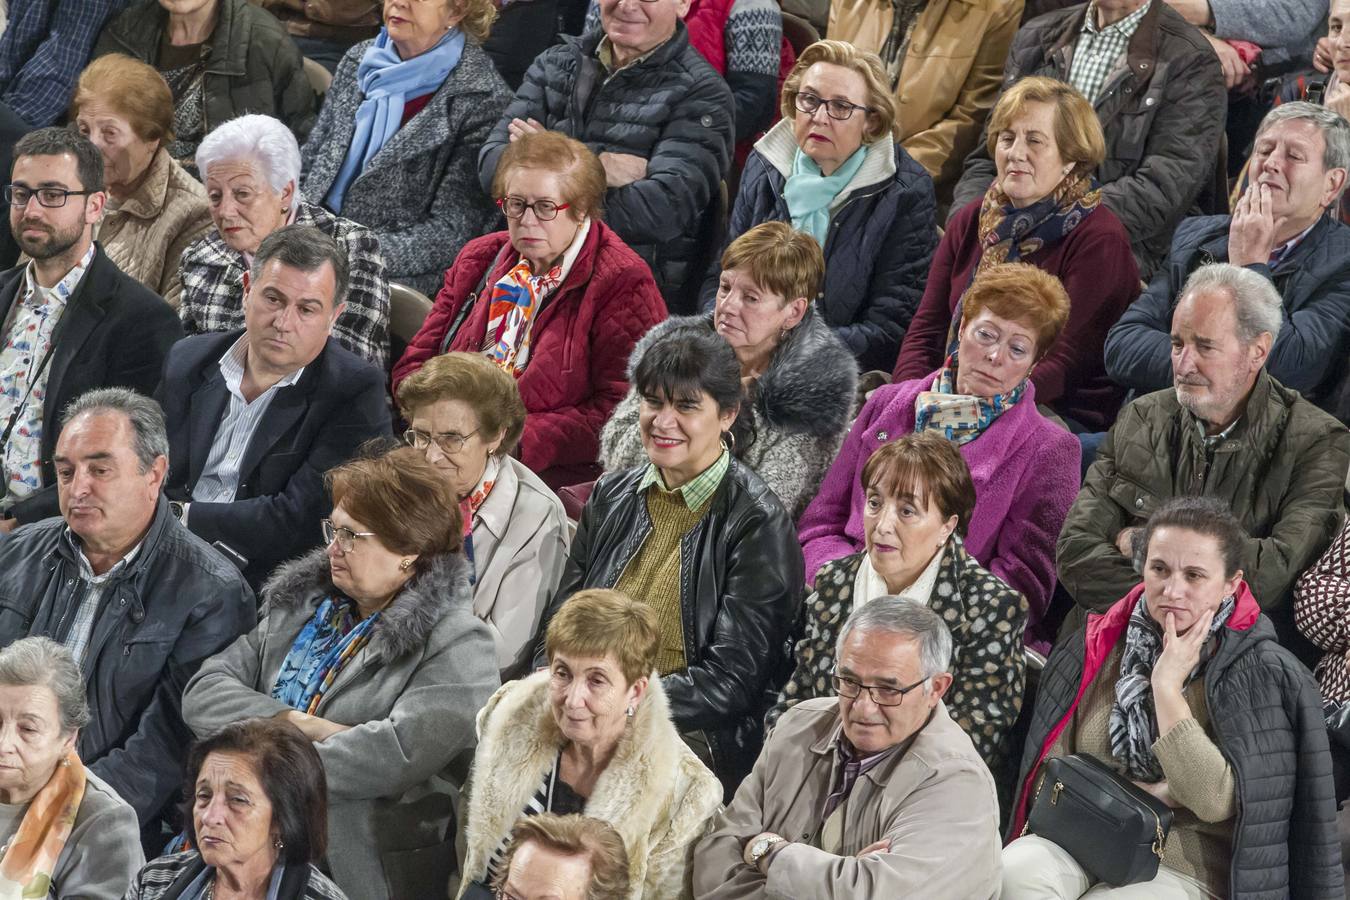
(673, 110)
(1266, 713)
(1163, 117)
(740, 590)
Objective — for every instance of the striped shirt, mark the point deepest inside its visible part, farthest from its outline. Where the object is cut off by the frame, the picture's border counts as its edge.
(220, 477)
(1099, 50)
(553, 795)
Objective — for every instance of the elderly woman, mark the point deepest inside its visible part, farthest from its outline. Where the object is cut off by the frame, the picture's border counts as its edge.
(257, 814)
(1182, 688)
(1043, 209)
(1024, 467)
(466, 415)
(919, 502)
(557, 300)
(799, 377)
(592, 735)
(833, 169)
(221, 59)
(696, 534)
(396, 145)
(371, 648)
(66, 833)
(251, 166)
(155, 208)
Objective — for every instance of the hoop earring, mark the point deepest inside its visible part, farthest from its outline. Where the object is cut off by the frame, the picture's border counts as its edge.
(729, 442)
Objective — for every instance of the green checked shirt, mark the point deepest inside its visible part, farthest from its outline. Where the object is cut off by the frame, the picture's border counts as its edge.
(698, 489)
(1098, 51)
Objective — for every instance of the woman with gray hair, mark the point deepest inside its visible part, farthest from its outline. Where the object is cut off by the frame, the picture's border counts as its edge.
(65, 832)
(251, 166)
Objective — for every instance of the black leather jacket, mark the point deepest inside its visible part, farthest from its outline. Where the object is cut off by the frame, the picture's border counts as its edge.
(741, 575)
(175, 604)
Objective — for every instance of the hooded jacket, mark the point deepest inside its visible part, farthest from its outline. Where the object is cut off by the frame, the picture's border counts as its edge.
(800, 409)
(1267, 720)
(409, 696)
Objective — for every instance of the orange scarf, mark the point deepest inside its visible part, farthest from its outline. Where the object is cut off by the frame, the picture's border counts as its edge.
(29, 860)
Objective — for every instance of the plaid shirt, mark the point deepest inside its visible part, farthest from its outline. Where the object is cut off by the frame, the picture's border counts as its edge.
(698, 489)
(1098, 51)
(45, 47)
(213, 285)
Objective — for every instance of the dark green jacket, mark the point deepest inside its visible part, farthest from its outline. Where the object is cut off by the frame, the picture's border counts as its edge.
(253, 66)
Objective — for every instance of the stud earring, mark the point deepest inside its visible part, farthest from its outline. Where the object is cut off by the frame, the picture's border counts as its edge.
(405, 564)
(630, 712)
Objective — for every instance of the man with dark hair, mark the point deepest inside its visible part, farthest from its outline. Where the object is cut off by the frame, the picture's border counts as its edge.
(70, 320)
(256, 417)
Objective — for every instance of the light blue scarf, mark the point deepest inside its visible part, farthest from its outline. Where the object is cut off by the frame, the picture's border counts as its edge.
(387, 82)
(809, 193)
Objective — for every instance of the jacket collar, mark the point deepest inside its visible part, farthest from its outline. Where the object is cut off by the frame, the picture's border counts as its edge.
(827, 744)
(161, 522)
(1254, 428)
(1215, 249)
(149, 201)
(406, 623)
(779, 149)
(495, 512)
(1141, 54)
(658, 58)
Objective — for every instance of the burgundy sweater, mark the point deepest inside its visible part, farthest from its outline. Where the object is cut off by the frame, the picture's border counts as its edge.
(1099, 272)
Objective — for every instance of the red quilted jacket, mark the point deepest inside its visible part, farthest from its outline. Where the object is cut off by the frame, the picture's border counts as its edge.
(579, 352)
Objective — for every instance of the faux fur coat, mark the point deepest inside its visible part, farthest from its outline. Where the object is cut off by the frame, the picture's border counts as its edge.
(801, 407)
(655, 791)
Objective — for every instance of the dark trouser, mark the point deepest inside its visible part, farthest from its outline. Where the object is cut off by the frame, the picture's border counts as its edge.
(524, 29)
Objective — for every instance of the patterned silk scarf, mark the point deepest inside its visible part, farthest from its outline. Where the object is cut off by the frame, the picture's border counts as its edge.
(329, 641)
(960, 418)
(1133, 723)
(30, 856)
(512, 305)
(468, 508)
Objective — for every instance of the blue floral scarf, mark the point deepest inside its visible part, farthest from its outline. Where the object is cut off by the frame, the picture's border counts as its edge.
(329, 640)
(960, 418)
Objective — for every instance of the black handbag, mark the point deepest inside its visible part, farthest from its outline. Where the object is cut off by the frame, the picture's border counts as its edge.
(1111, 828)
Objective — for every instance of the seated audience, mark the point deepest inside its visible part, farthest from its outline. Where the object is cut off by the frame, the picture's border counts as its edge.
(251, 166)
(466, 415)
(88, 323)
(46, 44)
(912, 811)
(155, 209)
(396, 144)
(66, 833)
(1044, 208)
(833, 169)
(945, 63)
(1023, 466)
(1159, 94)
(371, 648)
(800, 378)
(136, 598)
(324, 32)
(257, 802)
(591, 735)
(919, 502)
(565, 858)
(662, 120)
(1285, 33)
(1280, 231)
(221, 58)
(1322, 613)
(1227, 430)
(257, 416)
(698, 536)
(1181, 687)
(558, 300)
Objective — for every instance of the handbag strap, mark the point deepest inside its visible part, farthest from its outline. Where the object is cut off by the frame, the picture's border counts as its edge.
(472, 299)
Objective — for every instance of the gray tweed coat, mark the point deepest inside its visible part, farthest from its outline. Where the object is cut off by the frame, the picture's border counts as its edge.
(420, 193)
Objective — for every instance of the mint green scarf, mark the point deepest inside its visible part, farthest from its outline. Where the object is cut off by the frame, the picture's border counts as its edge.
(809, 193)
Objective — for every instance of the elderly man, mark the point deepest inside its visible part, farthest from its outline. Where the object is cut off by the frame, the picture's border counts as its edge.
(257, 416)
(877, 793)
(138, 600)
(638, 94)
(1227, 430)
(1159, 93)
(72, 320)
(555, 857)
(1279, 231)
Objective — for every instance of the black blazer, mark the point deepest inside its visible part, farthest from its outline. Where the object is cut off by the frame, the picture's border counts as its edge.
(115, 332)
(310, 427)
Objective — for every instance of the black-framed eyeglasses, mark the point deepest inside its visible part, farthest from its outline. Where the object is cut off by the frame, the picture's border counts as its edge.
(52, 198)
(544, 210)
(880, 694)
(835, 109)
(345, 537)
(448, 443)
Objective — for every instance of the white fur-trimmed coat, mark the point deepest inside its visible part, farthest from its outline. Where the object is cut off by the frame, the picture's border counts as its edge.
(655, 791)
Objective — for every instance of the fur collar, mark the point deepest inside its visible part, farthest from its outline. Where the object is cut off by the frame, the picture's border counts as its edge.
(406, 623)
(809, 385)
